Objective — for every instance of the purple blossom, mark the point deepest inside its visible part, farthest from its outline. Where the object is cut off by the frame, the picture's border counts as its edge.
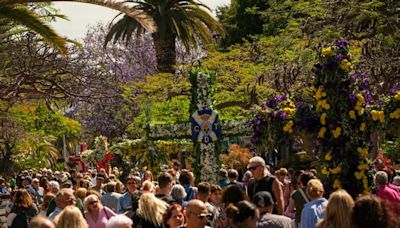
(340, 56)
(281, 115)
(352, 98)
(262, 105)
(395, 88)
(281, 98)
(272, 102)
(368, 97)
(342, 43)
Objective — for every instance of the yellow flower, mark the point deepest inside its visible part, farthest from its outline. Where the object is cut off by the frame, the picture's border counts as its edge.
(337, 184)
(381, 117)
(395, 114)
(321, 132)
(325, 171)
(397, 96)
(327, 51)
(288, 127)
(362, 127)
(362, 167)
(336, 170)
(361, 111)
(324, 104)
(288, 110)
(337, 132)
(328, 156)
(358, 175)
(352, 114)
(360, 98)
(318, 94)
(345, 65)
(362, 152)
(322, 119)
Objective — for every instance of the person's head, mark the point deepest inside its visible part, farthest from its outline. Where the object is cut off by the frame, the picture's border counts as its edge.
(396, 180)
(264, 201)
(340, 206)
(173, 216)
(110, 187)
(46, 201)
(100, 177)
(35, 183)
(67, 184)
(178, 192)
(257, 167)
(147, 175)
(165, 181)
(41, 222)
(119, 221)
(65, 197)
(71, 216)
(369, 211)
(196, 214)
(315, 189)
(233, 174)
(54, 187)
(147, 186)
(233, 194)
(222, 174)
(26, 180)
(152, 208)
(177, 165)
(282, 173)
(203, 191)
(92, 203)
(22, 198)
(244, 214)
(185, 177)
(132, 183)
(381, 178)
(81, 193)
(216, 194)
(305, 177)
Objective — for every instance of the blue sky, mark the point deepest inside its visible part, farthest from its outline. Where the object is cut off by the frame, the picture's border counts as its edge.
(82, 15)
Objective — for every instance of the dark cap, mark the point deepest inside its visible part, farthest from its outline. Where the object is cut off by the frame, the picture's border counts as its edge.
(100, 176)
(263, 199)
(67, 182)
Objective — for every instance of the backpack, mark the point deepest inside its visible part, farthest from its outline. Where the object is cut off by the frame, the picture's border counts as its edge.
(21, 220)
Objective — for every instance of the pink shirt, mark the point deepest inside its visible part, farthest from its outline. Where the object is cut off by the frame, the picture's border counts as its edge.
(389, 194)
(104, 216)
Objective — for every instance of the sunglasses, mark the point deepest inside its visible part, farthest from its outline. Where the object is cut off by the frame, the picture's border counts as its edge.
(253, 168)
(93, 203)
(131, 183)
(204, 215)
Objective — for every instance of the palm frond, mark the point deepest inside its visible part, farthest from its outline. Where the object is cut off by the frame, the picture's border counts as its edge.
(29, 19)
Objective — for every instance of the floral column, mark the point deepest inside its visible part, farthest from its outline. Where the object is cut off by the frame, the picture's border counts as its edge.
(205, 127)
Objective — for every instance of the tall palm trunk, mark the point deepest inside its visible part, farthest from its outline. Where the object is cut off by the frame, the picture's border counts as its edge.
(165, 52)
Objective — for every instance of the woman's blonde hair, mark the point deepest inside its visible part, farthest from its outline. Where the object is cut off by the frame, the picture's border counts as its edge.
(89, 199)
(339, 209)
(315, 189)
(81, 193)
(152, 208)
(70, 216)
(147, 186)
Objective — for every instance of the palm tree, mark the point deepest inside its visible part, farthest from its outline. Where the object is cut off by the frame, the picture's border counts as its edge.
(187, 20)
(22, 15)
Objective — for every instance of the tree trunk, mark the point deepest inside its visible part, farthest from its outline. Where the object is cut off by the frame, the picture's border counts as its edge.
(165, 52)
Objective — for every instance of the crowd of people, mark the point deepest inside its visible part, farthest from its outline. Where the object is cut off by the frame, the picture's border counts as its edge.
(258, 197)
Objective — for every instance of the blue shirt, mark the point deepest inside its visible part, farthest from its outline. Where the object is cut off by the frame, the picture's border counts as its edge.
(124, 203)
(312, 212)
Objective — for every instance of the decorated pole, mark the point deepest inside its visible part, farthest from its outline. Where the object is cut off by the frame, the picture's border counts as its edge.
(206, 130)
